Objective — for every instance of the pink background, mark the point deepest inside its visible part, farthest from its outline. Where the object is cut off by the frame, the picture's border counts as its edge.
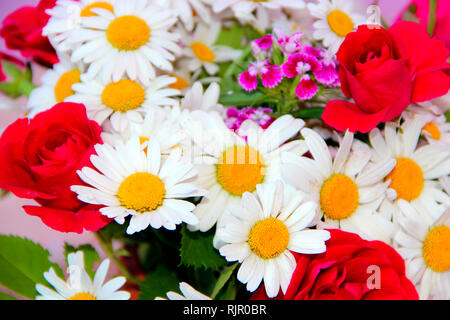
(13, 219)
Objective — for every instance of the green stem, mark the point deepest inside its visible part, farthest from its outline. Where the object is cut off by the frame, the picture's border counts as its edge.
(432, 17)
(107, 248)
(231, 69)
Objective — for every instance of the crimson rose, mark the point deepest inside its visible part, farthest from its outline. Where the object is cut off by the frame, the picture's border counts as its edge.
(384, 71)
(345, 272)
(22, 30)
(40, 158)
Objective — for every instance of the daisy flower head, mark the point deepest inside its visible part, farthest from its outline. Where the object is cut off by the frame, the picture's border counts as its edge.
(336, 19)
(56, 86)
(201, 51)
(140, 182)
(188, 10)
(424, 244)
(261, 231)
(123, 101)
(132, 40)
(187, 293)
(230, 165)
(417, 168)
(79, 285)
(65, 17)
(349, 188)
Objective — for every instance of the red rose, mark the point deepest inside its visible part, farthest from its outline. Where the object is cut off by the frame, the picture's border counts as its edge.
(22, 30)
(348, 271)
(384, 71)
(40, 158)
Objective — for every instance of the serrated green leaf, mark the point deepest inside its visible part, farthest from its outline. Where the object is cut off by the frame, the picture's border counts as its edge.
(90, 256)
(22, 265)
(197, 250)
(4, 296)
(158, 283)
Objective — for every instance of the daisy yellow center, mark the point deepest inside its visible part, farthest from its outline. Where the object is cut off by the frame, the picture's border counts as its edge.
(63, 87)
(180, 84)
(141, 192)
(339, 197)
(433, 130)
(268, 238)
(436, 249)
(82, 296)
(86, 12)
(202, 52)
(123, 95)
(240, 169)
(340, 23)
(406, 179)
(128, 33)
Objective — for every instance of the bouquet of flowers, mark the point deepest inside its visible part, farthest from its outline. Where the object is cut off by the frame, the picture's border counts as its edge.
(230, 149)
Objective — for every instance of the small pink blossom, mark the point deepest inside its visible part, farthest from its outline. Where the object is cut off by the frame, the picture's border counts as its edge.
(299, 64)
(307, 88)
(271, 75)
(236, 117)
(289, 44)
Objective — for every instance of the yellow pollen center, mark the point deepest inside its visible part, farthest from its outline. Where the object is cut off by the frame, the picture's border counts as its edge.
(180, 84)
(339, 197)
(406, 179)
(63, 87)
(433, 130)
(141, 192)
(436, 249)
(86, 12)
(128, 33)
(268, 238)
(340, 23)
(202, 52)
(83, 296)
(240, 169)
(123, 95)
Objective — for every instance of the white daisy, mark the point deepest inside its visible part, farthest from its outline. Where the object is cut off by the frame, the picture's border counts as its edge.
(140, 183)
(65, 17)
(413, 177)
(348, 188)
(201, 50)
(261, 232)
(425, 245)
(79, 286)
(188, 10)
(188, 293)
(337, 18)
(132, 40)
(229, 165)
(56, 86)
(123, 101)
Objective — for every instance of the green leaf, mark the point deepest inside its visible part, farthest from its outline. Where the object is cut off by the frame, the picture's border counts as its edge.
(158, 283)
(4, 296)
(22, 265)
(231, 37)
(432, 17)
(90, 256)
(229, 291)
(197, 250)
(19, 82)
(242, 98)
(223, 279)
(447, 116)
(310, 113)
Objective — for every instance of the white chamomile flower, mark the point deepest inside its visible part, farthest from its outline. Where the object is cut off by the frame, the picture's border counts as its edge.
(65, 17)
(140, 183)
(188, 10)
(337, 18)
(131, 40)
(56, 86)
(188, 293)
(262, 231)
(158, 124)
(413, 177)
(123, 101)
(229, 165)
(197, 98)
(201, 50)
(425, 245)
(79, 285)
(349, 188)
